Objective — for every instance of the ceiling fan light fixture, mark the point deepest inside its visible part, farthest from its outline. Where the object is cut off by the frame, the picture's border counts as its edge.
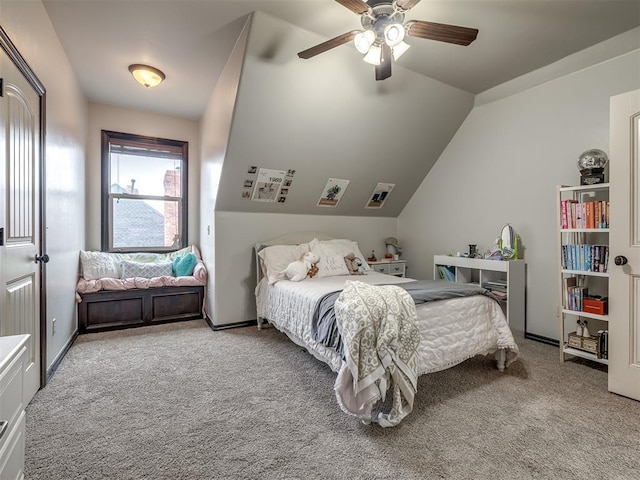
(363, 40)
(393, 34)
(374, 55)
(146, 75)
(399, 50)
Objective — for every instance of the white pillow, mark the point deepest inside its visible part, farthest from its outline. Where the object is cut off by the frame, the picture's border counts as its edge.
(331, 266)
(276, 258)
(96, 265)
(338, 246)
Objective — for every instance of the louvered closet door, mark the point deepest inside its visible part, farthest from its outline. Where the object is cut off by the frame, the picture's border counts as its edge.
(19, 185)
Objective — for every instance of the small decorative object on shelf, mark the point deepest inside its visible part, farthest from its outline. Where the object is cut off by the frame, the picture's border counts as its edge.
(372, 258)
(591, 165)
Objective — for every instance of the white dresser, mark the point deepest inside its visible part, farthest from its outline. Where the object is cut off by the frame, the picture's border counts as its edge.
(390, 267)
(13, 354)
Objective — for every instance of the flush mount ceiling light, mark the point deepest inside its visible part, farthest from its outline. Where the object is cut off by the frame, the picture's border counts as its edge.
(146, 75)
(382, 37)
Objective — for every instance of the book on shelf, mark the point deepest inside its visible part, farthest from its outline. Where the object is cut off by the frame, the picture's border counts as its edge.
(568, 283)
(603, 343)
(446, 273)
(594, 214)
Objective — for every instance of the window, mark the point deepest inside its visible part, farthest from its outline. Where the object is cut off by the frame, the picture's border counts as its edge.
(144, 185)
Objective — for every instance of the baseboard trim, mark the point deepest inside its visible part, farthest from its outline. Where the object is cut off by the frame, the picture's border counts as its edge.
(542, 339)
(56, 363)
(246, 323)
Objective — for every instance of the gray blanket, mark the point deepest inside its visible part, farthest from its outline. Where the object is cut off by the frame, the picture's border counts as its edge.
(324, 327)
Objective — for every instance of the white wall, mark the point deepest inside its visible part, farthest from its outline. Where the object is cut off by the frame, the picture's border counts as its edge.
(105, 117)
(237, 233)
(503, 166)
(28, 26)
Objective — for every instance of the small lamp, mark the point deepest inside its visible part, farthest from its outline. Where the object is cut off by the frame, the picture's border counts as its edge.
(146, 75)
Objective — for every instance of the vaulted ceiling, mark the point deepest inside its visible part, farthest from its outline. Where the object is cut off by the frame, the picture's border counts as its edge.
(191, 41)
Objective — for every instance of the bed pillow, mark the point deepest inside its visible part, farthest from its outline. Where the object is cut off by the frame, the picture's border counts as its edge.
(183, 266)
(276, 258)
(96, 265)
(339, 246)
(146, 270)
(331, 266)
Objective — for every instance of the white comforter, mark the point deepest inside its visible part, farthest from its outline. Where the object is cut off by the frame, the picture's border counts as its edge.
(451, 331)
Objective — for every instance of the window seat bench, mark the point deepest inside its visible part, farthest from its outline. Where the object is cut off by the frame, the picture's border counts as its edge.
(108, 302)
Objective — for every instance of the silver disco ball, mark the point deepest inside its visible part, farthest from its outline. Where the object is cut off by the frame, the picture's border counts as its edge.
(592, 159)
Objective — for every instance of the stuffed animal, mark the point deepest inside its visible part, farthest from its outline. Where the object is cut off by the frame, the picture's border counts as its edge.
(298, 270)
(354, 264)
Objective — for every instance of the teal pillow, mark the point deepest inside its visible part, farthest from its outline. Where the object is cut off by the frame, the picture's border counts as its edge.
(183, 266)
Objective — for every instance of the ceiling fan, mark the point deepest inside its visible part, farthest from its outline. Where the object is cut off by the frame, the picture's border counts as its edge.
(383, 36)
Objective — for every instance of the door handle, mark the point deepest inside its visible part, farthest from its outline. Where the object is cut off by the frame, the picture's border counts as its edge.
(42, 258)
(620, 260)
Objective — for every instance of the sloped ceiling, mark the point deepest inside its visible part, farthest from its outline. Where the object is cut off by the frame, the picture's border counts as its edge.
(327, 118)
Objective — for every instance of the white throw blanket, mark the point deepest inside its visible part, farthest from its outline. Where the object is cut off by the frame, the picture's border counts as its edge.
(380, 335)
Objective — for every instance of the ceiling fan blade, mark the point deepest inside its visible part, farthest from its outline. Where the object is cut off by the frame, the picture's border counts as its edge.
(406, 4)
(441, 32)
(356, 6)
(383, 70)
(328, 45)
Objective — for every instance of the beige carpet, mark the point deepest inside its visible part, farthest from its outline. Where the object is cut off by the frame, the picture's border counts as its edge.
(180, 401)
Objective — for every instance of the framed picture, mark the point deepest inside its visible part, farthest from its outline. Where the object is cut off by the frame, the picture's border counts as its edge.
(267, 185)
(379, 195)
(332, 192)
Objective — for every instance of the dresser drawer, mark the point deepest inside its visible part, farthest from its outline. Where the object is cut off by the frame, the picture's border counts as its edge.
(381, 268)
(11, 401)
(396, 269)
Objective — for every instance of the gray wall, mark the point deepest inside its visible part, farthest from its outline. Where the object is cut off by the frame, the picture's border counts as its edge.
(28, 26)
(215, 127)
(503, 166)
(327, 117)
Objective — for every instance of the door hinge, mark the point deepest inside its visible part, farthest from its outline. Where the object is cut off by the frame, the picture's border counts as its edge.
(1, 237)
(1, 87)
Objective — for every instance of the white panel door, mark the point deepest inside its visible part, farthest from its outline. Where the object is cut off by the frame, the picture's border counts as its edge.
(624, 261)
(19, 183)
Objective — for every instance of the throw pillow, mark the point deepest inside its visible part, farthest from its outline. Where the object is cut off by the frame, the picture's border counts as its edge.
(96, 265)
(183, 266)
(331, 266)
(145, 270)
(338, 246)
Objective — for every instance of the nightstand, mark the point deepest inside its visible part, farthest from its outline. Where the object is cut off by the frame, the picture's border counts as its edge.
(390, 267)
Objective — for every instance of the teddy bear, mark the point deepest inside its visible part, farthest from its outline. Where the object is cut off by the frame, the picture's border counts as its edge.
(300, 269)
(354, 264)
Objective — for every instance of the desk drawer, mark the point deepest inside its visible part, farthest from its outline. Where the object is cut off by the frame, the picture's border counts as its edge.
(11, 399)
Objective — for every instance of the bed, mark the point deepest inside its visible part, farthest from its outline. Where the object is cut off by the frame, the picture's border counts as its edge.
(449, 331)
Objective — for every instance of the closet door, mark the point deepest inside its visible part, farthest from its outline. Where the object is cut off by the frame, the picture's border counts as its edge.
(20, 217)
(624, 261)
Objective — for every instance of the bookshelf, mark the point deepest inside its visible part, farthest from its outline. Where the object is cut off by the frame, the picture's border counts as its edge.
(583, 265)
(506, 279)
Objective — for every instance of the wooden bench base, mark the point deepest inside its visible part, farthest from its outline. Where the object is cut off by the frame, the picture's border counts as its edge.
(111, 310)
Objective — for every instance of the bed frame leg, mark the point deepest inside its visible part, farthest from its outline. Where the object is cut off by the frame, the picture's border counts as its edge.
(501, 358)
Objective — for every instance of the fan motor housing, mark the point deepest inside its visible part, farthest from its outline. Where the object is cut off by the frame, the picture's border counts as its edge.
(382, 15)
